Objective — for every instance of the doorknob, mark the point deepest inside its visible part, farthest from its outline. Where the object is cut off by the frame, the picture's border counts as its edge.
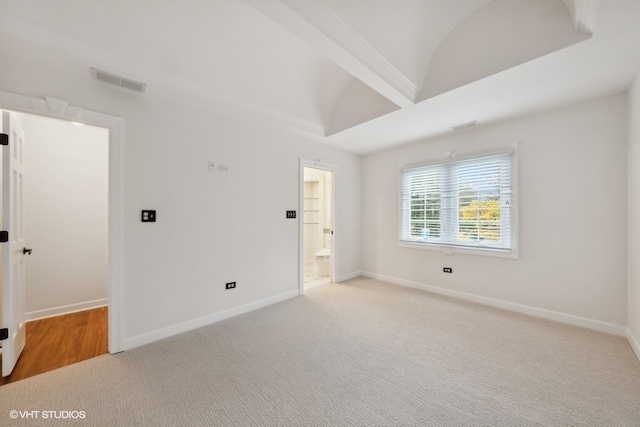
(27, 251)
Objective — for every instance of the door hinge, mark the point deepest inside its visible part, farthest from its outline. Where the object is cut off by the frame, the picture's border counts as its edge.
(4, 334)
(4, 139)
(4, 236)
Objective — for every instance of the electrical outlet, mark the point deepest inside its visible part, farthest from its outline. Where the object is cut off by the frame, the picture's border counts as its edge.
(230, 285)
(148, 216)
(447, 270)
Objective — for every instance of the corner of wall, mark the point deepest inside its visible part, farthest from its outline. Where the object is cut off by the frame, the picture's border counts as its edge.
(162, 333)
(634, 343)
(633, 216)
(596, 325)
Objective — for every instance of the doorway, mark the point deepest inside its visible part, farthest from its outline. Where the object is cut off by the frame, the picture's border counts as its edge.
(66, 202)
(318, 225)
(62, 109)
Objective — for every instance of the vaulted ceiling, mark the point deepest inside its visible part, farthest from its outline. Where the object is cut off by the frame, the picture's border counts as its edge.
(359, 74)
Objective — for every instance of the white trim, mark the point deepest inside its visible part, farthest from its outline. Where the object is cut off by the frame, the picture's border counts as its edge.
(455, 157)
(634, 343)
(349, 276)
(513, 252)
(320, 16)
(60, 109)
(180, 328)
(66, 309)
(568, 319)
(451, 249)
(315, 284)
(314, 23)
(317, 164)
(116, 235)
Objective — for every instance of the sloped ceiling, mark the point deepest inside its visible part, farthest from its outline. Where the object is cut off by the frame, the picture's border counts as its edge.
(359, 74)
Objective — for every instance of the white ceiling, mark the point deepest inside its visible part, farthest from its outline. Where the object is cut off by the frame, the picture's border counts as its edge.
(359, 74)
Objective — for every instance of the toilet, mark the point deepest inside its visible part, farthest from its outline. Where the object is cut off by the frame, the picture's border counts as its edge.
(323, 257)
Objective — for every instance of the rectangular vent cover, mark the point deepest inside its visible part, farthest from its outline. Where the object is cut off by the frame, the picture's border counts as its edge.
(465, 125)
(113, 79)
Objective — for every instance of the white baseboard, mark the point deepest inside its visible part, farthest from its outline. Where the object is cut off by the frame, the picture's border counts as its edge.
(65, 309)
(349, 276)
(169, 331)
(635, 344)
(569, 319)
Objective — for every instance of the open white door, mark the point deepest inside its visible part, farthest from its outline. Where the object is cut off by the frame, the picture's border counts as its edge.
(13, 251)
(317, 242)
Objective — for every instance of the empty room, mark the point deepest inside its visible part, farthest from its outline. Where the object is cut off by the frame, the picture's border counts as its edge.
(326, 212)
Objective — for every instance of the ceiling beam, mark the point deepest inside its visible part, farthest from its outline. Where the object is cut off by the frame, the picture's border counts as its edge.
(315, 24)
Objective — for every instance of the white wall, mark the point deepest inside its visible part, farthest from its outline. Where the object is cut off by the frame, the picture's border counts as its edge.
(500, 35)
(207, 232)
(633, 232)
(572, 204)
(66, 171)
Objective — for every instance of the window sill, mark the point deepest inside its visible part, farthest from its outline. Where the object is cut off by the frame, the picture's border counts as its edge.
(452, 250)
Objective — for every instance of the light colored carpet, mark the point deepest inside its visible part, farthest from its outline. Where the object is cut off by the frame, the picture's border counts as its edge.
(363, 353)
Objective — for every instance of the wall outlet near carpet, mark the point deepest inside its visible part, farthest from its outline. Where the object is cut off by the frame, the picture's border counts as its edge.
(230, 285)
(447, 270)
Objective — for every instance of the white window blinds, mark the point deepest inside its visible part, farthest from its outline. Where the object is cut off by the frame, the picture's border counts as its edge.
(460, 203)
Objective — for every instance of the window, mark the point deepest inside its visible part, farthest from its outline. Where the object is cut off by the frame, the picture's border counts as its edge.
(461, 202)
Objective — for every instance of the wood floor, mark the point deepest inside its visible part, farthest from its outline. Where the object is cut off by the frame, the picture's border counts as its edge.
(62, 340)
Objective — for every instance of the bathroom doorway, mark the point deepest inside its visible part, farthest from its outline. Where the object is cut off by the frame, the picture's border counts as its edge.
(317, 227)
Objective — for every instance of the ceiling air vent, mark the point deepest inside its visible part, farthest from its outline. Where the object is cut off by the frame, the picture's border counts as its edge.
(464, 126)
(114, 79)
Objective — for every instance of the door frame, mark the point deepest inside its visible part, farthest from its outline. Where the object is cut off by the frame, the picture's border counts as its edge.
(60, 109)
(317, 164)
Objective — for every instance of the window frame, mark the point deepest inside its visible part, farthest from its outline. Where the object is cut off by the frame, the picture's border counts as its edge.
(448, 248)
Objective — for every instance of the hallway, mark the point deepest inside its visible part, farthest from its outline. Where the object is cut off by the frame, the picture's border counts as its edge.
(58, 341)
